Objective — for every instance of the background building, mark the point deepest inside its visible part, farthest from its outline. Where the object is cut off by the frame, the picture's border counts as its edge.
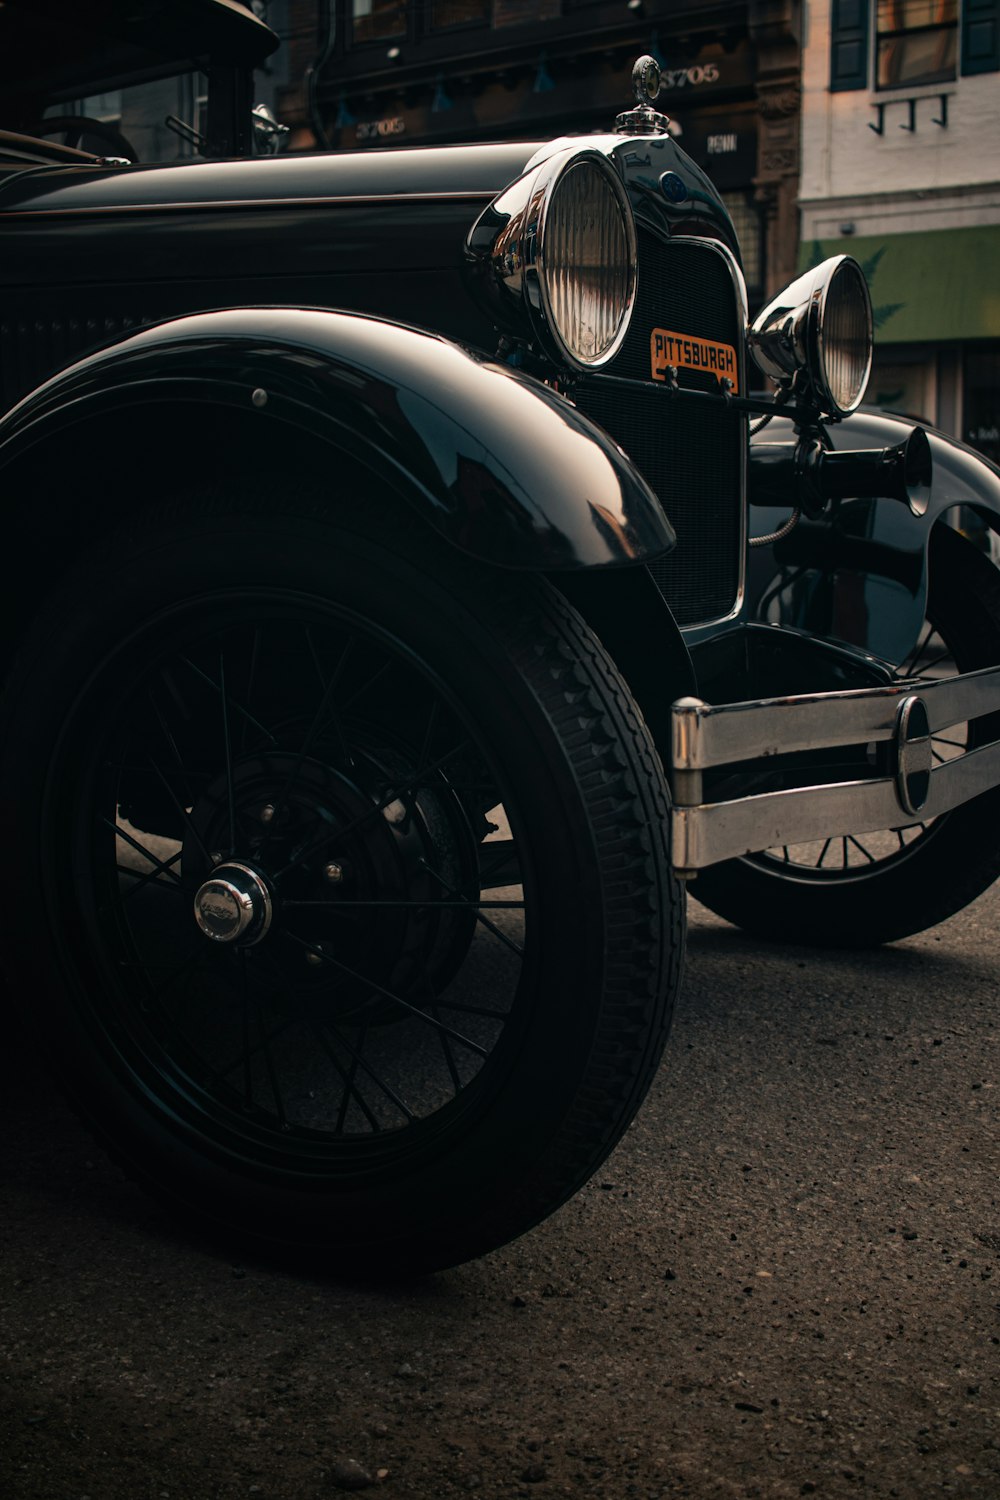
(363, 74)
(369, 73)
(901, 168)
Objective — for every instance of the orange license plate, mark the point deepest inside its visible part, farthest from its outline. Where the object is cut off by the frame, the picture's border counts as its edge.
(686, 352)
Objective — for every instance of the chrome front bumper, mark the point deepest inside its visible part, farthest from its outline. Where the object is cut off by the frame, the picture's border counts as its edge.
(904, 716)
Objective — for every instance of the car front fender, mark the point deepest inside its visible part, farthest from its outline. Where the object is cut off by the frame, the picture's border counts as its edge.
(502, 466)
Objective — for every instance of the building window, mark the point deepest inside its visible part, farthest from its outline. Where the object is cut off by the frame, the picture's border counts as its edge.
(916, 42)
(377, 20)
(981, 414)
(746, 221)
(446, 14)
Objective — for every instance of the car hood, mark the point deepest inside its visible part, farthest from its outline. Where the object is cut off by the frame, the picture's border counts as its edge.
(474, 172)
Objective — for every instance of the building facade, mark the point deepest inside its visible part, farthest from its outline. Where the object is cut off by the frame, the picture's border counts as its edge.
(901, 168)
(371, 73)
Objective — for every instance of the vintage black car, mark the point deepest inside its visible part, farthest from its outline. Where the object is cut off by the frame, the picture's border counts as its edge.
(382, 651)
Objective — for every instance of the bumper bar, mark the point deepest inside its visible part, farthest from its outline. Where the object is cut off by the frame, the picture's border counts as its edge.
(905, 715)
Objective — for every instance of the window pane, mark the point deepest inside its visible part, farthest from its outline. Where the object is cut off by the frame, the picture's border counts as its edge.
(516, 12)
(446, 13)
(376, 20)
(139, 114)
(981, 425)
(923, 57)
(746, 221)
(905, 15)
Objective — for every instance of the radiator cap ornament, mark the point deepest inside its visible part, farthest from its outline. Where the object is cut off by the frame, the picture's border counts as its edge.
(644, 119)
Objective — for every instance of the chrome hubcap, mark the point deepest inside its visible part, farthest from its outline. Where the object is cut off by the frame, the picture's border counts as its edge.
(234, 905)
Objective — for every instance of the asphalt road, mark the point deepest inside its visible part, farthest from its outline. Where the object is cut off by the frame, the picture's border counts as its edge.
(785, 1282)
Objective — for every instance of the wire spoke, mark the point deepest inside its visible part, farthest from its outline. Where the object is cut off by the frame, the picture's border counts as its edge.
(265, 1047)
(185, 815)
(245, 1029)
(158, 864)
(168, 734)
(490, 926)
(197, 960)
(357, 1061)
(153, 878)
(338, 673)
(350, 1090)
(312, 735)
(909, 668)
(251, 683)
(236, 707)
(858, 845)
(156, 995)
(449, 1056)
(227, 746)
(386, 1088)
(365, 687)
(504, 865)
(393, 795)
(432, 718)
(429, 904)
(472, 1010)
(248, 1049)
(939, 739)
(379, 989)
(928, 666)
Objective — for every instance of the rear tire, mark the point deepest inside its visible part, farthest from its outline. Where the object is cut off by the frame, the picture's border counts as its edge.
(388, 1074)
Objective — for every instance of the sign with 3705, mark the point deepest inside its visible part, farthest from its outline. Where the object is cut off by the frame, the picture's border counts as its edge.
(690, 77)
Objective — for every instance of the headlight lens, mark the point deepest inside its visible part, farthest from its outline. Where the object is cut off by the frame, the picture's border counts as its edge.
(554, 257)
(816, 335)
(586, 261)
(845, 337)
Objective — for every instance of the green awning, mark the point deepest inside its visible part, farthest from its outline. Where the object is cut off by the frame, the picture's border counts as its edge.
(938, 287)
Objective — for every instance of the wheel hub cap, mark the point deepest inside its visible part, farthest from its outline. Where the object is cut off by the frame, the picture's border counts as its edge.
(234, 905)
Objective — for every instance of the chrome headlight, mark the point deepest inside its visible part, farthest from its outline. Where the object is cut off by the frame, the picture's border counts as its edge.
(817, 334)
(556, 256)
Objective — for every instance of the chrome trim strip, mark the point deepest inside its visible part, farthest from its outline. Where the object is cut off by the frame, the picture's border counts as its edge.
(470, 196)
(705, 736)
(705, 834)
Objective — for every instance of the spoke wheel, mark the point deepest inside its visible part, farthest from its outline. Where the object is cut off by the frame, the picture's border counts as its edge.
(867, 888)
(335, 848)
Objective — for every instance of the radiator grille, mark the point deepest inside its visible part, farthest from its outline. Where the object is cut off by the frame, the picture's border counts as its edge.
(690, 455)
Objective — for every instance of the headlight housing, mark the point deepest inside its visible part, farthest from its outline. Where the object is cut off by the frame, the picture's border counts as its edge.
(817, 336)
(555, 257)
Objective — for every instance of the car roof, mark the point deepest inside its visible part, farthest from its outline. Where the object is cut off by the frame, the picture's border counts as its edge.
(62, 49)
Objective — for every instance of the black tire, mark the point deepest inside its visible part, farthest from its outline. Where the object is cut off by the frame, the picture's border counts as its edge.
(392, 1087)
(870, 889)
